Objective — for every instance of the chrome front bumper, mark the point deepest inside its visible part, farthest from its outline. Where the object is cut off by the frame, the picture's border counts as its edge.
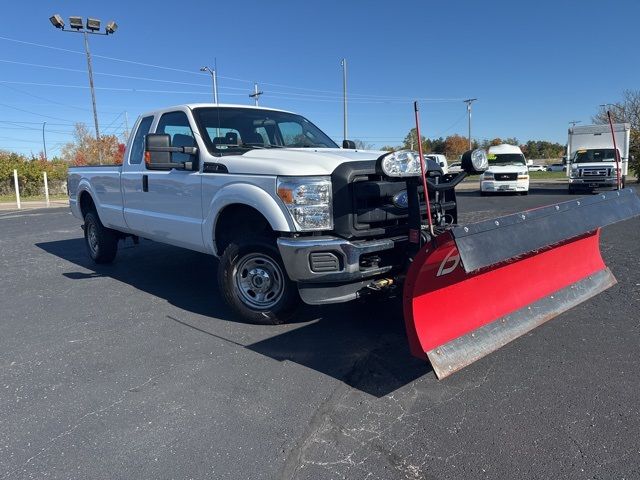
(504, 186)
(351, 265)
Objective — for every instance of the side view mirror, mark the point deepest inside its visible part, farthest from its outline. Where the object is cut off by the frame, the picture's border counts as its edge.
(529, 162)
(158, 153)
(475, 162)
(349, 144)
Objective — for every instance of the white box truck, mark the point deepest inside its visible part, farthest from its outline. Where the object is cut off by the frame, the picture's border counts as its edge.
(591, 156)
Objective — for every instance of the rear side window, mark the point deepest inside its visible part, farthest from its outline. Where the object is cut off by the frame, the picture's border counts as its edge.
(176, 124)
(137, 147)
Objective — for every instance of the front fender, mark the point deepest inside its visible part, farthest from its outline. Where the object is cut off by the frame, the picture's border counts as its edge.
(252, 196)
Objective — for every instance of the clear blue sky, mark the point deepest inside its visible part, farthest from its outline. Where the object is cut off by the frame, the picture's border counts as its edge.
(533, 65)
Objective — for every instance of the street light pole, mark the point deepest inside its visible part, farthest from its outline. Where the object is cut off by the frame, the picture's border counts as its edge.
(469, 101)
(214, 81)
(93, 95)
(92, 27)
(44, 141)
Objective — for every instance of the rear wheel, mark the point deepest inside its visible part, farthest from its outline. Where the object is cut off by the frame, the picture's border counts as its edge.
(102, 242)
(254, 282)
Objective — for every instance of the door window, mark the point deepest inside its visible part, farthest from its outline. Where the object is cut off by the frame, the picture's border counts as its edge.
(176, 124)
(137, 147)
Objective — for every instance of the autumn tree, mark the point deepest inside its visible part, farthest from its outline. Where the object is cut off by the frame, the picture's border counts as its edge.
(626, 111)
(455, 145)
(84, 149)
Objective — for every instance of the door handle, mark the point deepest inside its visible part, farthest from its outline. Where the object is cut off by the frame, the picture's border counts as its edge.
(145, 183)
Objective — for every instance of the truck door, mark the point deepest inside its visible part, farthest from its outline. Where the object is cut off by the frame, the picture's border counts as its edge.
(166, 205)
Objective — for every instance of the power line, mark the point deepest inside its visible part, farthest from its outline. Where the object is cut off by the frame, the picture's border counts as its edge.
(133, 62)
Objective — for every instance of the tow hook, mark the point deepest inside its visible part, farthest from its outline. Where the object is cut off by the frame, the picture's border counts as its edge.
(381, 284)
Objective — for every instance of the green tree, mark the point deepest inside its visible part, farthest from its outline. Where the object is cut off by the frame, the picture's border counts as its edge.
(410, 141)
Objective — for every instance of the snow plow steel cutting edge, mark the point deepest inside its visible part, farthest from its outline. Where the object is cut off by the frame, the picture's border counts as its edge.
(554, 250)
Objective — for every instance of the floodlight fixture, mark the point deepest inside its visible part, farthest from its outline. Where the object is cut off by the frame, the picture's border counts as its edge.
(93, 24)
(56, 21)
(111, 27)
(76, 23)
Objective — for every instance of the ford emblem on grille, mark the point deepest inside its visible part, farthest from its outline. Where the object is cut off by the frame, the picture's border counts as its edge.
(401, 200)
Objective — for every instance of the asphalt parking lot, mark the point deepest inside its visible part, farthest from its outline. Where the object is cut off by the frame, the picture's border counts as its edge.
(137, 370)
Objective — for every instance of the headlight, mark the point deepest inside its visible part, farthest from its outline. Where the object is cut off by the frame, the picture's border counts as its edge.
(308, 200)
(523, 176)
(475, 161)
(479, 160)
(403, 163)
(487, 176)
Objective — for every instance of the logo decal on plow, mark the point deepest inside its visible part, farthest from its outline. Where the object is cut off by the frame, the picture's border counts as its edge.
(450, 262)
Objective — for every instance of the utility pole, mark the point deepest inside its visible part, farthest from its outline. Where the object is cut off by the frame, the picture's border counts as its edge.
(126, 126)
(344, 96)
(469, 101)
(44, 141)
(256, 94)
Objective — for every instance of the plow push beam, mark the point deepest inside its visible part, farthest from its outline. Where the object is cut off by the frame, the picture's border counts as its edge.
(480, 286)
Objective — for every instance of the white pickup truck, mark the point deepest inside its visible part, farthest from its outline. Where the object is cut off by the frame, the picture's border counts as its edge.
(289, 213)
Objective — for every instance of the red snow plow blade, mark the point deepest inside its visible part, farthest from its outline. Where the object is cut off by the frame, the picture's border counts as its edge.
(478, 287)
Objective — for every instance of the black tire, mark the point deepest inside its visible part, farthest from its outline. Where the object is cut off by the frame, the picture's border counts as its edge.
(101, 242)
(526, 192)
(572, 191)
(483, 194)
(241, 289)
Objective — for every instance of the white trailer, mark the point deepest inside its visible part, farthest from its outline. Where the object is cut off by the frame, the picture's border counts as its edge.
(591, 157)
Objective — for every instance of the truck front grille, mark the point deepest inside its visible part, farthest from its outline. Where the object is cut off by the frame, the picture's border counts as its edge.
(503, 177)
(595, 172)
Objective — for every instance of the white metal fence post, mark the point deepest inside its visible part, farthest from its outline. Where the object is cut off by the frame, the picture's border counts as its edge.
(15, 181)
(46, 188)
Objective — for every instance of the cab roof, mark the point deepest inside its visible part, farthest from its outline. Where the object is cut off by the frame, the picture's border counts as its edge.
(504, 148)
(191, 106)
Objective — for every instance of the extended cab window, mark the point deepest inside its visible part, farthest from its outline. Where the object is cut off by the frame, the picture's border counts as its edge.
(176, 124)
(236, 130)
(137, 147)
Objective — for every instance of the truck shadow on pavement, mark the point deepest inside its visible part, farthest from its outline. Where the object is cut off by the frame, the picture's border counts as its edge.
(362, 344)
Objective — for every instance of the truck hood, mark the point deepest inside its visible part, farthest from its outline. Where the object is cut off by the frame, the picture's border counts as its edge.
(294, 161)
(507, 169)
(596, 164)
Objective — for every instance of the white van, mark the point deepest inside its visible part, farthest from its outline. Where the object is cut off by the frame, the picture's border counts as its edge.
(507, 172)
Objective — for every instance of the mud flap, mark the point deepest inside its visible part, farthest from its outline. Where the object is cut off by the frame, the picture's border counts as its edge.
(483, 285)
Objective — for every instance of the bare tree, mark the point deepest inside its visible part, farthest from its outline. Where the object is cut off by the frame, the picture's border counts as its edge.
(362, 145)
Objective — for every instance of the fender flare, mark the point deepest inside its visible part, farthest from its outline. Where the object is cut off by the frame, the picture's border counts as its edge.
(248, 195)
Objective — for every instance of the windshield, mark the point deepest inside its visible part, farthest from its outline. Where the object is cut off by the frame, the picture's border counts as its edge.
(506, 159)
(598, 155)
(230, 130)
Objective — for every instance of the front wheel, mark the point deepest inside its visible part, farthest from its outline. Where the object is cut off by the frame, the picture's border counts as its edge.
(254, 283)
(102, 242)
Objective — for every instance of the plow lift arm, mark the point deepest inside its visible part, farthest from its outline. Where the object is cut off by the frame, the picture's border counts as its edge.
(535, 264)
